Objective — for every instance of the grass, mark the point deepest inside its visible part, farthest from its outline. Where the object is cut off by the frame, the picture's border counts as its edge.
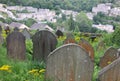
(19, 70)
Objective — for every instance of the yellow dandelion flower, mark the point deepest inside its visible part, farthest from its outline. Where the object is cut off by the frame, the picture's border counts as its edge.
(33, 71)
(77, 38)
(42, 71)
(5, 68)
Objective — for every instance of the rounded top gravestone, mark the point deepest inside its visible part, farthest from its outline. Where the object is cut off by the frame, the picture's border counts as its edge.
(109, 56)
(86, 45)
(110, 72)
(16, 48)
(69, 62)
(44, 42)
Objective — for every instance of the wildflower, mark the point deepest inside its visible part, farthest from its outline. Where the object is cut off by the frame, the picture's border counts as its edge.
(61, 38)
(33, 71)
(42, 71)
(77, 38)
(5, 68)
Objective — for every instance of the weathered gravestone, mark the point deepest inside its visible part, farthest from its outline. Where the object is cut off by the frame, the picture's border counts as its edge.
(59, 33)
(26, 33)
(69, 63)
(70, 38)
(101, 45)
(86, 45)
(110, 72)
(16, 45)
(1, 38)
(44, 42)
(110, 55)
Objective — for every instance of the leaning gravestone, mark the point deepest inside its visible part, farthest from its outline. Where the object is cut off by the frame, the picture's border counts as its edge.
(26, 33)
(16, 45)
(69, 63)
(86, 45)
(70, 38)
(110, 72)
(110, 55)
(44, 42)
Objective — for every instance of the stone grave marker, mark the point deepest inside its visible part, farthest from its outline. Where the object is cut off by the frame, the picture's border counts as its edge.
(1, 38)
(69, 38)
(26, 33)
(86, 45)
(109, 56)
(101, 45)
(69, 62)
(110, 72)
(44, 42)
(59, 33)
(16, 45)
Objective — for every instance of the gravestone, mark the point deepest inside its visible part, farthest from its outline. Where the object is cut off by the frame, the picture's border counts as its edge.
(26, 33)
(109, 56)
(86, 45)
(69, 38)
(59, 33)
(110, 72)
(16, 45)
(69, 62)
(101, 45)
(44, 42)
(1, 38)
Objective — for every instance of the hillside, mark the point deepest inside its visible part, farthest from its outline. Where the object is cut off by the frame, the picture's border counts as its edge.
(76, 5)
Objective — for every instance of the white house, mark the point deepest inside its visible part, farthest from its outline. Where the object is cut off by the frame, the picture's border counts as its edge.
(105, 8)
(108, 28)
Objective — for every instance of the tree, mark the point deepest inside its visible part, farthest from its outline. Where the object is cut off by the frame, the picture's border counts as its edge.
(71, 23)
(83, 22)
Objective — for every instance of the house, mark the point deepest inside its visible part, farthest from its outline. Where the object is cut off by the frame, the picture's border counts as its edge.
(108, 28)
(18, 25)
(40, 26)
(104, 8)
(115, 11)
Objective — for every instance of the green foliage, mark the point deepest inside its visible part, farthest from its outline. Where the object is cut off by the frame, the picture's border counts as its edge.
(76, 5)
(116, 36)
(108, 39)
(83, 22)
(71, 23)
(29, 49)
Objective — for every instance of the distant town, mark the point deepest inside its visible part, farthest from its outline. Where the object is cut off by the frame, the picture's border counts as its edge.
(41, 15)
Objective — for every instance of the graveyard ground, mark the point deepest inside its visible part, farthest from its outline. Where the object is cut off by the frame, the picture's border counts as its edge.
(28, 70)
